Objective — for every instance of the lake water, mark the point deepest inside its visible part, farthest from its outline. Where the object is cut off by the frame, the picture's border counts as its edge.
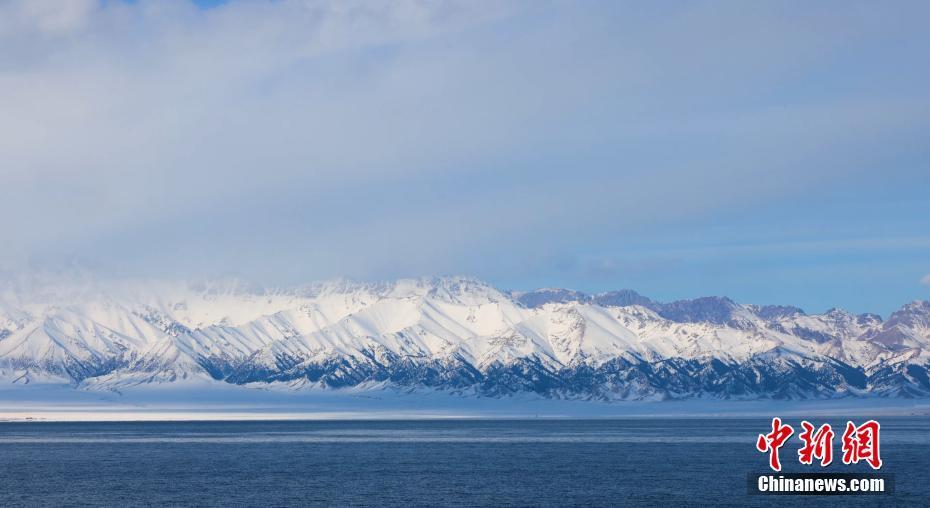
(414, 463)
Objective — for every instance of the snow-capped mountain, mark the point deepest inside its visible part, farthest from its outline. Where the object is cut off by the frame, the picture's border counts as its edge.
(454, 334)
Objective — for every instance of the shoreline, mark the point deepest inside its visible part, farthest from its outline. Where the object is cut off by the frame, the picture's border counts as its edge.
(256, 405)
(217, 402)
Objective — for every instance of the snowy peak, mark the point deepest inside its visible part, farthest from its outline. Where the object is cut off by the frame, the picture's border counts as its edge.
(774, 312)
(906, 329)
(454, 333)
(540, 297)
(621, 298)
(913, 315)
(709, 309)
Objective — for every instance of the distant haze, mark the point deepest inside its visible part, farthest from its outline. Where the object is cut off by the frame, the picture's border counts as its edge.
(773, 152)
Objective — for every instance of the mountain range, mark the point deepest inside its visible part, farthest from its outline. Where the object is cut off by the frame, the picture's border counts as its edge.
(453, 334)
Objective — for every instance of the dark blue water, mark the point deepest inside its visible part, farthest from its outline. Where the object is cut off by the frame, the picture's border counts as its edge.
(414, 463)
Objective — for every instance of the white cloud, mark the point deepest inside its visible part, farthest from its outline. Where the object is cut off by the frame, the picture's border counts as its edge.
(45, 17)
(925, 280)
(346, 136)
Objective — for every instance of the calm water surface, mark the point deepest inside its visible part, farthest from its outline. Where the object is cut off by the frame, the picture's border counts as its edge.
(420, 463)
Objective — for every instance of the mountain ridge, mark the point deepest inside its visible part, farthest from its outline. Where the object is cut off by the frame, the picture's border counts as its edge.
(458, 334)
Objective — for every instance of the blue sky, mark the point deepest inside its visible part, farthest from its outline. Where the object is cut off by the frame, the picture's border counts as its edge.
(774, 152)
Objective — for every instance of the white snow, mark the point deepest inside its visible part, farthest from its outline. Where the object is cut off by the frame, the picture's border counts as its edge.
(160, 328)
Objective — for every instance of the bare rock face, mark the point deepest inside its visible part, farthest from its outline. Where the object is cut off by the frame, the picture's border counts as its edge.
(457, 334)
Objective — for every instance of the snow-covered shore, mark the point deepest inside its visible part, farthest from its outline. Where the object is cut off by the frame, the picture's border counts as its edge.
(51, 402)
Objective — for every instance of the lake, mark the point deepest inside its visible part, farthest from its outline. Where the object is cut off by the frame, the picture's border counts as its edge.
(539, 462)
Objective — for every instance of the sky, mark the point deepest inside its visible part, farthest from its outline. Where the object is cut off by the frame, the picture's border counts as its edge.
(773, 152)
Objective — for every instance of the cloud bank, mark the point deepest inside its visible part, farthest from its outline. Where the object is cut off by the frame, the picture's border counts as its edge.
(305, 139)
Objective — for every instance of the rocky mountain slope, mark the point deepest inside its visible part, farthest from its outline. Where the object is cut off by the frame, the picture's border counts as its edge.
(454, 334)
